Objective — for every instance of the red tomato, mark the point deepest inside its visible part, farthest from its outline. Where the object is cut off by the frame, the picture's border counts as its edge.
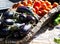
(24, 3)
(42, 2)
(15, 6)
(48, 9)
(39, 13)
(19, 4)
(36, 8)
(43, 12)
(55, 4)
(50, 6)
(29, 5)
(29, 1)
(41, 8)
(47, 3)
(35, 0)
(44, 6)
(37, 3)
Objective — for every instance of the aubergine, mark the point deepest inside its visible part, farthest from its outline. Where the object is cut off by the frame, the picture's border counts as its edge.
(22, 18)
(8, 14)
(1, 25)
(15, 36)
(16, 26)
(30, 19)
(4, 32)
(9, 21)
(18, 33)
(24, 9)
(25, 28)
(0, 22)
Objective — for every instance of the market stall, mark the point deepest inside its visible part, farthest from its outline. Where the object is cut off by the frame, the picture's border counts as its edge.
(21, 22)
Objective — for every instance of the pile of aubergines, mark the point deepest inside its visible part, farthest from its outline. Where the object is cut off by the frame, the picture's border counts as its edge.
(17, 24)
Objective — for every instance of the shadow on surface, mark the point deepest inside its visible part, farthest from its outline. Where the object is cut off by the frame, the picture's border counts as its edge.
(41, 31)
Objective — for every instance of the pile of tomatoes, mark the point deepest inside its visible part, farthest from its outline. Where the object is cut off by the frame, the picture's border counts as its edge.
(40, 7)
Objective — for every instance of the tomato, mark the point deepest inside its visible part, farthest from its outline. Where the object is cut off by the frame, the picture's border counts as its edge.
(24, 3)
(55, 4)
(37, 3)
(43, 12)
(29, 1)
(50, 6)
(42, 2)
(47, 3)
(15, 6)
(36, 8)
(41, 8)
(19, 4)
(29, 5)
(35, 0)
(39, 13)
(44, 6)
(48, 9)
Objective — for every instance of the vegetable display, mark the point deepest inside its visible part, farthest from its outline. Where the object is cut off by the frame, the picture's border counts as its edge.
(17, 23)
(43, 7)
(23, 16)
(39, 7)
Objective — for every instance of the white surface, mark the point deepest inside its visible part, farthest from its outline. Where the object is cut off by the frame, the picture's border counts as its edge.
(5, 4)
(46, 37)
